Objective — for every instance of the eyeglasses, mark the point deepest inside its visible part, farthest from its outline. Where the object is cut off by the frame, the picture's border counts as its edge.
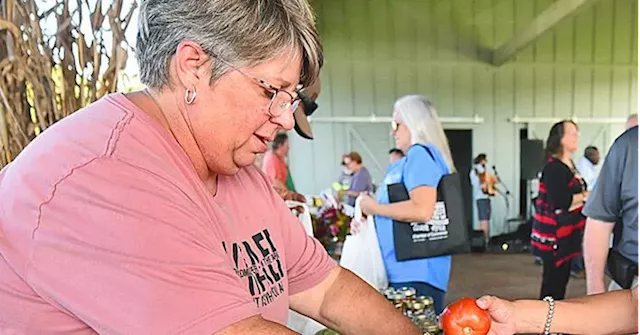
(394, 125)
(281, 100)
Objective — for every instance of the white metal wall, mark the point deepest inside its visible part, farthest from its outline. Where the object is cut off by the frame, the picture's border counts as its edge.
(379, 50)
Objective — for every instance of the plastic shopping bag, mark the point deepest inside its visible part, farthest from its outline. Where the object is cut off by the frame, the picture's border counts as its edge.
(305, 218)
(296, 321)
(361, 253)
(302, 324)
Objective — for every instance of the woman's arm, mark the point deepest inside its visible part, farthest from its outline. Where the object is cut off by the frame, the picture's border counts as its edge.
(578, 200)
(556, 177)
(418, 209)
(421, 176)
(333, 301)
(608, 313)
(352, 193)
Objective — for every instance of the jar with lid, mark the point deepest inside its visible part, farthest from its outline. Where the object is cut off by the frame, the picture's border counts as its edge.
(431, 327)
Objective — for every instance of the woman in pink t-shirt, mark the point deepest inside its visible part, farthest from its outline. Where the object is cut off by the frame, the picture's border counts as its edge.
(143, 213)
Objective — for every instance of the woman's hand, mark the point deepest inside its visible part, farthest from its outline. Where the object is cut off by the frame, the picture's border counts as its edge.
(503, 320)
(355, 225)
(290, 195)
(368, 204)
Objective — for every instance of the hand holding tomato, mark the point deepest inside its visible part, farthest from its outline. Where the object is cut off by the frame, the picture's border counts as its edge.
(503, 315)
(464, 317)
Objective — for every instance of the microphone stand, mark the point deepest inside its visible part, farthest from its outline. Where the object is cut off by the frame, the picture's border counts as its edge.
(495, 172)
(506, 195)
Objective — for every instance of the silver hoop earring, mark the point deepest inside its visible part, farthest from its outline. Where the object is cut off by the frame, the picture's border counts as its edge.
(188, 98)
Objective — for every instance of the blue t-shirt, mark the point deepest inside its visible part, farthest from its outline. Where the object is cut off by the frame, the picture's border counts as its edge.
(417, 168)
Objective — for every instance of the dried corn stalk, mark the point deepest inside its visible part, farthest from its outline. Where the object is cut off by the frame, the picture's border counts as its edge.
(47, 74)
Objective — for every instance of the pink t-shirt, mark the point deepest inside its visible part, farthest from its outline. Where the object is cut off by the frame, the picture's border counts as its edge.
(105, 227)
(274, 167)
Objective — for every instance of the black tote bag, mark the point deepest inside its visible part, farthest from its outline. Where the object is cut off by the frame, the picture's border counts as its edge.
(445, 234)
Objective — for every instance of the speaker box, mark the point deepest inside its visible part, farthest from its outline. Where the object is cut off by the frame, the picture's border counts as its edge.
(477, 241)
(515, 242)
(531, 158)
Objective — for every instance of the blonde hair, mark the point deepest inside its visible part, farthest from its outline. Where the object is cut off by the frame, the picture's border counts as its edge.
(421, 118)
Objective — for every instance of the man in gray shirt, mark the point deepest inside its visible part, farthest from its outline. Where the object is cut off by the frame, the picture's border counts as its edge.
(613, 201)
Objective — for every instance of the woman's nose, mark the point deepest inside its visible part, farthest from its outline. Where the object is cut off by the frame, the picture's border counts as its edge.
(285, 120)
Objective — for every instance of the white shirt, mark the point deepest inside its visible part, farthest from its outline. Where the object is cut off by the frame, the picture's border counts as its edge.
(475, 182)
(588, 171)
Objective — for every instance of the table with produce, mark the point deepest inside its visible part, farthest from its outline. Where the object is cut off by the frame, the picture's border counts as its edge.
(463, 317)
(331, 226)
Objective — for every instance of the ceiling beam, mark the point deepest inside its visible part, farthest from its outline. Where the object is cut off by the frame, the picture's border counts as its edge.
(545, 21)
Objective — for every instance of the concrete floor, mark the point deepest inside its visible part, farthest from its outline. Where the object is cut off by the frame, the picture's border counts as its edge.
(511, 276)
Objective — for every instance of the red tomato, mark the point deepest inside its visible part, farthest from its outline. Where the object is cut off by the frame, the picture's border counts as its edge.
(464, 317)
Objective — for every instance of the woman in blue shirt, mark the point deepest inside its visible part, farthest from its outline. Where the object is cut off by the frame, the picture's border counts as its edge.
(416, 129)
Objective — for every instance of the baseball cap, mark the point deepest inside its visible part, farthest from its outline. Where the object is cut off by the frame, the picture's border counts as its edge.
(306, 107)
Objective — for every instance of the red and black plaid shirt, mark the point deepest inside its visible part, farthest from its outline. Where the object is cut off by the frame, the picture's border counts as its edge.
(557, 232)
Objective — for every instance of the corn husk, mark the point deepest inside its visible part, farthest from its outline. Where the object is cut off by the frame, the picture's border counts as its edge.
(47, 75)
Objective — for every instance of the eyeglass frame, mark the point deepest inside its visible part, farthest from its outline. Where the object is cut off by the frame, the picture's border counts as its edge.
(394, 125)
(293, 104)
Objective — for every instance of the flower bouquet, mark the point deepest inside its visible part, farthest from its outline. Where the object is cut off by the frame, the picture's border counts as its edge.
(331, 225)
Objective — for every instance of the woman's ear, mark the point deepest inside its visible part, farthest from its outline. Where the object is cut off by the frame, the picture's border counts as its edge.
(189, 62)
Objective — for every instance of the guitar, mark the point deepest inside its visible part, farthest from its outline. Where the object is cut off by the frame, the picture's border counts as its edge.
(488, 183)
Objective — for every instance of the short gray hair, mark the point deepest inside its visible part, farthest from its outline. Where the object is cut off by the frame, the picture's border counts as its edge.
(240, 32)
(632, 120)
(421, 118)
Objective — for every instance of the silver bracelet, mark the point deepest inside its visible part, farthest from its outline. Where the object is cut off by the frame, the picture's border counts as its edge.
(552, 305)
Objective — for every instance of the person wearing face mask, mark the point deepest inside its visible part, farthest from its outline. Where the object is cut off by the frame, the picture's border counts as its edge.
(344, 180)
(558, 223)
(481, 190)
(360, 180)
(417, 131)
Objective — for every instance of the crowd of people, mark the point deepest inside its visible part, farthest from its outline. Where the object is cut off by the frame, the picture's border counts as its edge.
(566, 205)
(145, 212)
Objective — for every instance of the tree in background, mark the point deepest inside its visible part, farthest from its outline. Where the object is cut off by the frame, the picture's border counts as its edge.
(56, 57)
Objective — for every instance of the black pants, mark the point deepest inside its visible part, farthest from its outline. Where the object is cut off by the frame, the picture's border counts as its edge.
(554, 279)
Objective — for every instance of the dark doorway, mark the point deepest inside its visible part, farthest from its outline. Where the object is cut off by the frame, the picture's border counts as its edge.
(460, 143)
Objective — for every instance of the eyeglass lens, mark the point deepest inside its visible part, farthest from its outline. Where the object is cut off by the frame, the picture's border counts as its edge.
(281, 102)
